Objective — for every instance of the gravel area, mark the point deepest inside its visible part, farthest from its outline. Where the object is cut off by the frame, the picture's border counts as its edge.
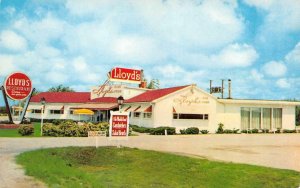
(272, 150)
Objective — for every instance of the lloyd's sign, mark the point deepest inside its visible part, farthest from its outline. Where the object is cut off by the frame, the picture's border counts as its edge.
(125, 75)
(18, 87)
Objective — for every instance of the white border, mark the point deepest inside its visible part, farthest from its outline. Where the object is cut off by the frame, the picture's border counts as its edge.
(110, 126)
(4, 85)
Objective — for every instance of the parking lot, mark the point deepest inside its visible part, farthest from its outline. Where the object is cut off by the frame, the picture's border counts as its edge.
(272, 150)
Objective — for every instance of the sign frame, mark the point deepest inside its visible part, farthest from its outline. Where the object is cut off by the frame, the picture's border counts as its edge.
(114, 120)
(119, 74)
(28, 81)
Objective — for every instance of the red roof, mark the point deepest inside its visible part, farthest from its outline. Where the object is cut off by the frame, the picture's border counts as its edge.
(62, 97)
(152, 95)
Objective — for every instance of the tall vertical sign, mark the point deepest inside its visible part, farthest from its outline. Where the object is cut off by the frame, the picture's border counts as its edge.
(17, 86)
(119, 125)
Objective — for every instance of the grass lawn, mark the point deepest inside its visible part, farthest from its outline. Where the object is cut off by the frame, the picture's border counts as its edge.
(14, 132)
(125, 167)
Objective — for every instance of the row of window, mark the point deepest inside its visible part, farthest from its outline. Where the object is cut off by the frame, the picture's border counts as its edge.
(190, 116)
(261, 118)
(37, 111)
(146, 115)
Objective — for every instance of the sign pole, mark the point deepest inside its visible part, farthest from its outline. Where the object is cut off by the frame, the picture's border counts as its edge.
(7, 105)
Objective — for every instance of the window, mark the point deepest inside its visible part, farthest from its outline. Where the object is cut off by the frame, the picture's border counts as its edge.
(36, 111)
(56, 111)
(71, 111)
(190, 116)
(147, 115)
(136, 114)
(277, 118)
(267, 118)
(255, 118)
(261, 118)
(245, 121)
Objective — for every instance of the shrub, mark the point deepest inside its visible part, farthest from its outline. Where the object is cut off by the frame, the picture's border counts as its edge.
(204, 131)
(265, 130)
(182, 131)
(71, 129)
(278, 131)
(192, 130)
(161, 131)
(26, 130)
(228, 131)
(254, 131)
(220, 128)
(140, 129)
(289, 131)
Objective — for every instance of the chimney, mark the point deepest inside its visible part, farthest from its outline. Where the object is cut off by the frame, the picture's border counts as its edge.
(143, 84)
(229, 89)
(222, 89)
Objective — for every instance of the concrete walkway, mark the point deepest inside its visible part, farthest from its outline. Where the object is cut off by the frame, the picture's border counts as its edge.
(272, 150)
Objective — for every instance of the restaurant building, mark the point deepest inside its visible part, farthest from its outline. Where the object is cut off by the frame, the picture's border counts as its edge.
(180, 107)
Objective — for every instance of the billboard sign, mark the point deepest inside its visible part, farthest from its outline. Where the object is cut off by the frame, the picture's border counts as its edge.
(18, 86)
(125, 75)
(119, 125)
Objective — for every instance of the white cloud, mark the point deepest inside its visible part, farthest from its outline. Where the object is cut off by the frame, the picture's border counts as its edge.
(294, 55)
(236, 55)
(6, 66)
(264, 4)
(80, 65)
(47, 29)
(12, 41)
(190, 23)
(56, 77)
(257, 76)
(10, 10)
(83, 8)
(132, 49)
(279, 13)
(170, 71)
(283, 83)
(275, 69)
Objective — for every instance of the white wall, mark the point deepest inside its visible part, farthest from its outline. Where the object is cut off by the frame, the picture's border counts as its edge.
(231, 115)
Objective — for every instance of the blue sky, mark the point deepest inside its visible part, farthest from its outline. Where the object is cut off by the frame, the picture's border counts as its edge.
(255, 43)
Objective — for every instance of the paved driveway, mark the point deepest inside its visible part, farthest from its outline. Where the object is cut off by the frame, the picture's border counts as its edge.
(278, 151)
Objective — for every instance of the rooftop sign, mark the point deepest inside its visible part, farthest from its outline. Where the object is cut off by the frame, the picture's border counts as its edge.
(18, 86)
(125, 75)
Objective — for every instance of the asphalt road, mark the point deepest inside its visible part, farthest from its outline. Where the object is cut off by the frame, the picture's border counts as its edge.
(272, 150)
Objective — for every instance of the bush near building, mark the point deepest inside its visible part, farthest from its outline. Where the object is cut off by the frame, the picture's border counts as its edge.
(72, 129)
(190, 130)
(26, 130)
(139, 129)
(161, 131)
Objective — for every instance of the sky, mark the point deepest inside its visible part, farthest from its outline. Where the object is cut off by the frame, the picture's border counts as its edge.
(255, 43)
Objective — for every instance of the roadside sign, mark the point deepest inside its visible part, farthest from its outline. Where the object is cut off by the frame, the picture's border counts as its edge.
(96, 134)
(125, 75)
(18, 86)
(119, 125)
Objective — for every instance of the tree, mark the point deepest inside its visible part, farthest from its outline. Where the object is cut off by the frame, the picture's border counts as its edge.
(154, 84)
(61, 88)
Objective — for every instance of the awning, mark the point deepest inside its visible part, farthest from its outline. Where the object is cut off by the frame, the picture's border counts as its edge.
(147, 108)
(100, 106)
(83, 112)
